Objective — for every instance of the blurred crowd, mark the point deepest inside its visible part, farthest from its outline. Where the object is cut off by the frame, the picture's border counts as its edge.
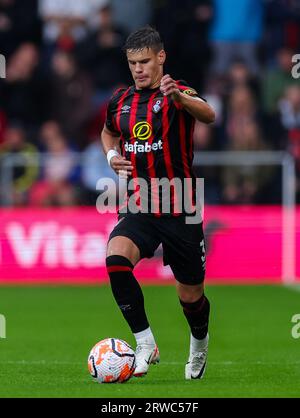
(64, 60)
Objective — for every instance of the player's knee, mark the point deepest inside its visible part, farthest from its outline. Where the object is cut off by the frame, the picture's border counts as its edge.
(202, 304)
(123, 247)
(190, 294)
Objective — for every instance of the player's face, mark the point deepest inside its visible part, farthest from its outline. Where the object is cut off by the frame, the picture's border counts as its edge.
(146, 67)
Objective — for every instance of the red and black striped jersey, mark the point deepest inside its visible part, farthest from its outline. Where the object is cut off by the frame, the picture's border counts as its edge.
(156, 135)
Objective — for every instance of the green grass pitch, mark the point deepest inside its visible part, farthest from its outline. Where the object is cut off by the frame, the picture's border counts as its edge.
(50, 331)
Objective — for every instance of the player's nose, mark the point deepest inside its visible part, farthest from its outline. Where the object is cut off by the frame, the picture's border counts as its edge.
(138, 68)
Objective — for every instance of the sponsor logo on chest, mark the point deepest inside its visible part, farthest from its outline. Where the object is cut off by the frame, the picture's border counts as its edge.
(142, 131)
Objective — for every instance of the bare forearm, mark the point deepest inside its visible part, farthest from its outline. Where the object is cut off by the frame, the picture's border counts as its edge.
(109, 141)
(117, 162)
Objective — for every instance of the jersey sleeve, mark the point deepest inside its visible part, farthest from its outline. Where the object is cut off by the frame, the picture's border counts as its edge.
(186, 89)
(111, 111)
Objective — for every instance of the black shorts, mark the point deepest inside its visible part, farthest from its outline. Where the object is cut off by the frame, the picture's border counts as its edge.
(183, 244)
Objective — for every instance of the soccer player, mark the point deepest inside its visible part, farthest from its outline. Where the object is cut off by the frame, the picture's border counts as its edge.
(148, 135)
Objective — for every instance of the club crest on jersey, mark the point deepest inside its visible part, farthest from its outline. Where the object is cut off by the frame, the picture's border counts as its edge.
(157, 104)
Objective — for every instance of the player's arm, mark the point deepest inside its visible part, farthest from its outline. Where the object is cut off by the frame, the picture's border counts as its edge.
(197, 107)
(111, 148)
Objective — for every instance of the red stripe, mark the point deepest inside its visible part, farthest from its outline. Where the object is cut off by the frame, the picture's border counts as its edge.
(182, 138)
(115, 269)
(118, 117)
(117, 91)
(132, 121)
(150, 158)
(184, 155)
(191, 153)
(119, 110)
(180, 86)
(166, 150)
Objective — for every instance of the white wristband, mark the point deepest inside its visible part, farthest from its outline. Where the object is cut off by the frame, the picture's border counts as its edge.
(111, 153)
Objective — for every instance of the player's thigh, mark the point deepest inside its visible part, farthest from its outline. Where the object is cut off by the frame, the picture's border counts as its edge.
(184, 251)
(133, 237)
(120, 245)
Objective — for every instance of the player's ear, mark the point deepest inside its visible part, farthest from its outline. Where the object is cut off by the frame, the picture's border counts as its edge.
(161, 57)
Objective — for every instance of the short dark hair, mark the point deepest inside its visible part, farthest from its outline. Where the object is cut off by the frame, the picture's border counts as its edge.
(146, 37)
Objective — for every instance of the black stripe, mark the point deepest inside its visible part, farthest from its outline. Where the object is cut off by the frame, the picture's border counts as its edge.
(200, 373)
(94, 367)
(113, 346)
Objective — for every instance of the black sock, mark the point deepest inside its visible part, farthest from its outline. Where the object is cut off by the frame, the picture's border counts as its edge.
(127, 292)
(197, 315)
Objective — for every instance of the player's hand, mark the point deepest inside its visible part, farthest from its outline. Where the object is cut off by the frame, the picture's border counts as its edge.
(121, 166)
(168, 87)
